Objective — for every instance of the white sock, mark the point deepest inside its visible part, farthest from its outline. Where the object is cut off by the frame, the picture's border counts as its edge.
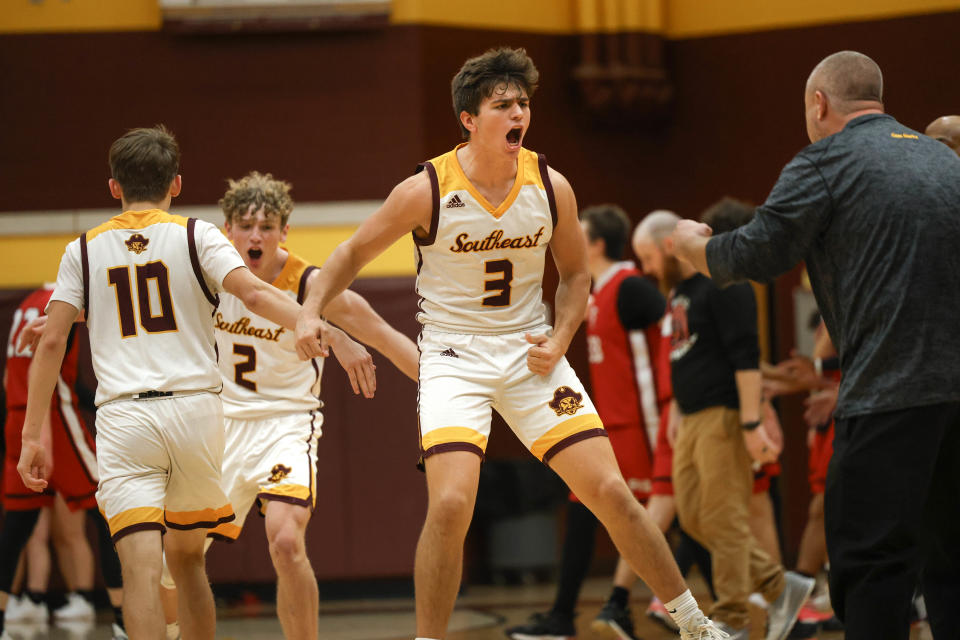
(425, 639)
(173, 631)
(684, 610)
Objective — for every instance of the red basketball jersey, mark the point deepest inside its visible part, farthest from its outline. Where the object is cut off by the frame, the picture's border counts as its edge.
(621, 361)
(64, 403)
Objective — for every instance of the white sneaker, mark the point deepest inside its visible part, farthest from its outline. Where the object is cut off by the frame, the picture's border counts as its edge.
(704, 629)
(77, 608)
(173, 631)
(782, 613)
(75, 629)
(118, 633)
(23, 609)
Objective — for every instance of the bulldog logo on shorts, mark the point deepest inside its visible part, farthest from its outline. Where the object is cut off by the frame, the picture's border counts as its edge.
(279, 472)
(566, 401)
(137, 243)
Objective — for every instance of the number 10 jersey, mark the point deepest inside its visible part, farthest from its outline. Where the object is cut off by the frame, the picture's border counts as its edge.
(148, 282)
(480, 269)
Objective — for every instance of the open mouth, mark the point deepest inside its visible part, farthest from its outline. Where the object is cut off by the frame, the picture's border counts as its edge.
(255, 254)
(514, 135)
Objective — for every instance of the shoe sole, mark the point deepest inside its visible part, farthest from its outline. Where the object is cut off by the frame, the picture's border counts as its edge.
(527, 636)
(610, 629)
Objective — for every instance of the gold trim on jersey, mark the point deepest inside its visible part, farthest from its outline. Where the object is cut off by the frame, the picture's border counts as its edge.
(293, 268)
(227, 530)
(445, 435)
(451, 177)
(563, 431)
(136, 220)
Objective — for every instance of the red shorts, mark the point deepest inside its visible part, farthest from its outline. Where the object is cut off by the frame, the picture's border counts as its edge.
(819, 460)
(663, 459)
(74, 467)
(761, 478)
(630, 446)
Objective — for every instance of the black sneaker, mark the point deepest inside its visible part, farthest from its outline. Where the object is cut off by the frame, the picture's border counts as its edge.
(614, 621)
(545, 626)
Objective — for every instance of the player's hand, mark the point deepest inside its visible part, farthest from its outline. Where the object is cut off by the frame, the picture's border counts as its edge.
(793, 375)
(34, 465)
(30, 335)
(770, 422)
(356, 361)
(673, 429)
(761, 448)
(312, 336)
(819, 407)
(545, 353)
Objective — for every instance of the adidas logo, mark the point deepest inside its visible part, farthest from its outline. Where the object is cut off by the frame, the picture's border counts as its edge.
(455, 201)
(450, 352)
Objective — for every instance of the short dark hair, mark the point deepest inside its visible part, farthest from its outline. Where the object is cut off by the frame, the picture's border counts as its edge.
(728, 214)
(145, 161)
(479, 76)
(608, 222)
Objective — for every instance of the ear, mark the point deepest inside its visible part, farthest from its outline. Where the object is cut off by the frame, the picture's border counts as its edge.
(283, 232)
(468, 121)
(228, 229)
(822, 107)
(176, 185)
(115, 189)
(668, 245)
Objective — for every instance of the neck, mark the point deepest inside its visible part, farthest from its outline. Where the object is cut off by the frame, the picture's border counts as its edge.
(599, 267)
(687, 270)
(870, 107)
(145, 206)
(486, 167)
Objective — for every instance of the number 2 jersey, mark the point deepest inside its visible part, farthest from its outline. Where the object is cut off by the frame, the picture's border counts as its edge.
(262, 375)
(148, 281)
(480, 270)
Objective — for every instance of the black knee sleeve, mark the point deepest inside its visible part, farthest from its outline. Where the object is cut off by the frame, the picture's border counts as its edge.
(109, 561)
(17, 527)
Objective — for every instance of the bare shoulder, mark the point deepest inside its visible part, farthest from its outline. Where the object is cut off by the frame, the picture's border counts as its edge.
(558, 180)
(411, 201)
(563, 193)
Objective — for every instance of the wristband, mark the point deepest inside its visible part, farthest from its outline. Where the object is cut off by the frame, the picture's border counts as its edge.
(750, 426)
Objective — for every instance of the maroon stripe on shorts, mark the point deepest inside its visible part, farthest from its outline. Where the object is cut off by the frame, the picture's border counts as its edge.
(453, 446)
(140, 526)
(572, 439)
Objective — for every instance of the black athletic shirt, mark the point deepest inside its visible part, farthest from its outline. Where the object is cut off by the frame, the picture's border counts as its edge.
(714, 336)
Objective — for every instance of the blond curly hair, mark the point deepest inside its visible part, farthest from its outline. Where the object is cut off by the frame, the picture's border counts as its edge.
(253, 191)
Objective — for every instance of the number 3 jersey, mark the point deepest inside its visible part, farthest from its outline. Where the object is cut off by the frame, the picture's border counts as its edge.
(480, 270)
(262, 375)
(148, 282)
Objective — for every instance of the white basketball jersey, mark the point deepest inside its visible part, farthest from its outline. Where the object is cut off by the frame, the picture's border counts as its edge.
(481, 268)
(262, 375)
(148, 282)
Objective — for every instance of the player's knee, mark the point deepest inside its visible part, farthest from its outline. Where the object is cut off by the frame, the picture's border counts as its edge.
(286, 546)
(450, 508)
(609, 493)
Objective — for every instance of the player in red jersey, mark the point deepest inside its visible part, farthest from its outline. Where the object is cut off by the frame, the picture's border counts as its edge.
(74, 472)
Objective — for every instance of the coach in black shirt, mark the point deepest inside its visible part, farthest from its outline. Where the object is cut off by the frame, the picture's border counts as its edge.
(874, 209)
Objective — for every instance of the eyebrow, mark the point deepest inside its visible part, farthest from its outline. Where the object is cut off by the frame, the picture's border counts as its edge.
(516, 99)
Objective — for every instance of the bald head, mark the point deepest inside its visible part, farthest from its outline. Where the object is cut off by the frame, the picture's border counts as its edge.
(947, 131)
(655, 226)
(848, 79)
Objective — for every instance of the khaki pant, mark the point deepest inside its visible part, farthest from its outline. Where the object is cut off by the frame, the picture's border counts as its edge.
(712, 483)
